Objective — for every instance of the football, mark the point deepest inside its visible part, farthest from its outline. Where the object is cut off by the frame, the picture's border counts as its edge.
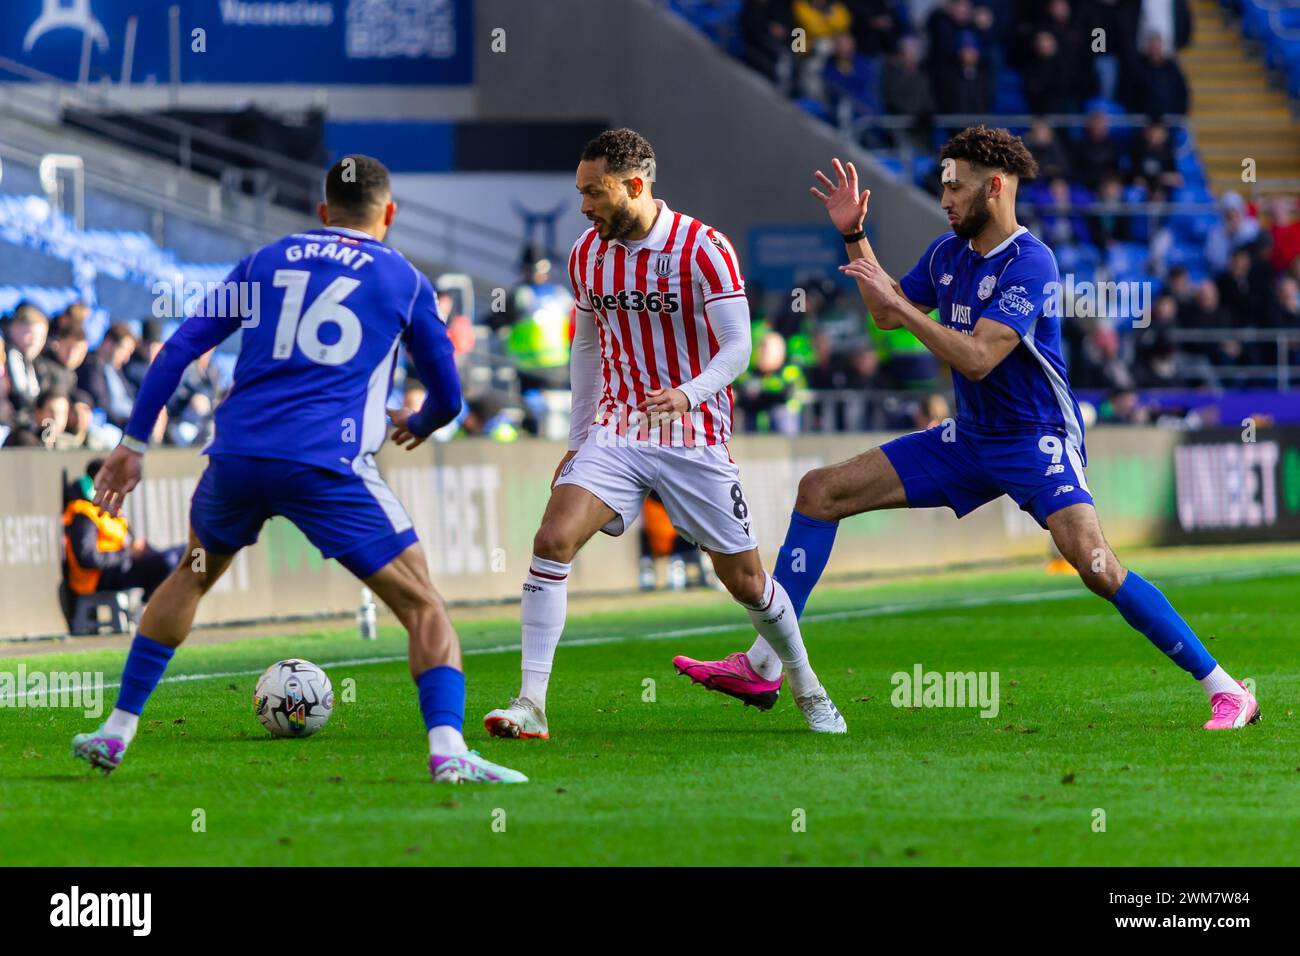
(293, 698)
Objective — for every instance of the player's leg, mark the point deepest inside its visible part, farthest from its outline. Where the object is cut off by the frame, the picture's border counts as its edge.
(866, 482)
(774, 618)
(1077, 532)
(926, 469)
(167, 620)
(602, 488)
(404, 585)
(702, 493)
(573, 515)
(356, 519)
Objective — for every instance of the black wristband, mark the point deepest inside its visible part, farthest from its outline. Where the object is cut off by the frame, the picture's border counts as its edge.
(854, 236)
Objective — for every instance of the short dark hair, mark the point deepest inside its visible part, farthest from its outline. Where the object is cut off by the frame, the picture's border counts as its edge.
(623, 150)
(986, 148)
(356, 187)
(119, 332)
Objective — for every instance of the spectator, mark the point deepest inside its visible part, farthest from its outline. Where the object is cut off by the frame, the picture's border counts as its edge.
(1106, 223)
(1244, 288)
(1047, 150)
(849, 79)
(73, 317)
(765, 31)
(1285, 233)
(1098, 154)
(906, 92)
(100, 552)
(1049, 87)
(189, 412)
(57, 365)
(146, 350)
(971, 87)
(768, 392)
(877, 27)
(821, 19)
(1161, 89)
(1098, 363)
(1152, 161)
(1122, 407)
(1058, 20)
(1178, 283)
(26, 339)
(1236, 227)
(101, 375)
(956, 24)
(81, 431)
(48, 423)
(1206, 313)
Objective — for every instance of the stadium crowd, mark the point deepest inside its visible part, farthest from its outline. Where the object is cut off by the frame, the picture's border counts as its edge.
(1223, 308)
(818, 362)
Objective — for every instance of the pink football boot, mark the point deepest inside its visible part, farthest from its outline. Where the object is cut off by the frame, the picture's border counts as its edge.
(733, 676)
(1233, 711)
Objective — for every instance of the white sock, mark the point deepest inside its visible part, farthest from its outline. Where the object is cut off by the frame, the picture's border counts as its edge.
(542, 610)
(122, 724)
(533, 686)
(446, 741)
(763, 659)
(775, 621)
(1218, 681)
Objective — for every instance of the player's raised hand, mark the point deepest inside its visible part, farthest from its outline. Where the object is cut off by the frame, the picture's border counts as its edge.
(401, 434)
(844, 204)
(119, 473)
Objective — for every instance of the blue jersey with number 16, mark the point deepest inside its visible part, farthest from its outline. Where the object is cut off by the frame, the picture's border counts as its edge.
(325, 315)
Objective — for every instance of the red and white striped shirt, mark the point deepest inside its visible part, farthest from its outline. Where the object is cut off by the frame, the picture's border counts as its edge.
(650, 302)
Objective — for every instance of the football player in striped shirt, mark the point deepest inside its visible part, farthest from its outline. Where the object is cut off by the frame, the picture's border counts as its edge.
(1018, 429)
(662, 331)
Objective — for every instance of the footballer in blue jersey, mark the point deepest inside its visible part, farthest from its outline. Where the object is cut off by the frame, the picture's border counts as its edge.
(323, 317)
(1018, 430)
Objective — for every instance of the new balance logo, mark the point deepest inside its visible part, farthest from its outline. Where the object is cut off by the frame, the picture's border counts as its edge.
(1054, 470)
(945, 279)
(1063, 489)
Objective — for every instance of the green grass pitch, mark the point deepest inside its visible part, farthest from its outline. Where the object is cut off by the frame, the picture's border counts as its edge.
(1092, 721)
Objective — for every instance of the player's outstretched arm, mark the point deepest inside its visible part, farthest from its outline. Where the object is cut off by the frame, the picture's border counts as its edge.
(973, 355)
(208, 327)
(434, 357)
(847, 209)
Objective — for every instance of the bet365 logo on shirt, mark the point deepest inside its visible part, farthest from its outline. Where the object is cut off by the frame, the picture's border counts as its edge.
(634, 300)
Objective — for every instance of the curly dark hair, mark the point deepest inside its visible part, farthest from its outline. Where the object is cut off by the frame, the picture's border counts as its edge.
(986, 148)
(623, 149)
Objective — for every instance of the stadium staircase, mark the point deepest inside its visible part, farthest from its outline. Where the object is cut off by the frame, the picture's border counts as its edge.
(1233, 103)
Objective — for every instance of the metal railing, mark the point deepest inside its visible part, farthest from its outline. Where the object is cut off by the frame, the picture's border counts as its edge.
(433, 234)
(1280, 374)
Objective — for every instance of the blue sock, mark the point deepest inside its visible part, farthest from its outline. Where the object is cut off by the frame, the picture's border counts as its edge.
(1148, 611)
(145, 663)
(442, 697)
(803, 557)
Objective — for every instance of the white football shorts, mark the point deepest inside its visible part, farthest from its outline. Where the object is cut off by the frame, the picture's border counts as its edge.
(700, 487)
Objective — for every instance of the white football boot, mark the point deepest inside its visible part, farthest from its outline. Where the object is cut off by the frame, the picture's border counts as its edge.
(821, 713)
(522, 719)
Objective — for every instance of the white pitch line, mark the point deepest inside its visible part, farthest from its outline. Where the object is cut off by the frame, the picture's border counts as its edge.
(878, 610)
